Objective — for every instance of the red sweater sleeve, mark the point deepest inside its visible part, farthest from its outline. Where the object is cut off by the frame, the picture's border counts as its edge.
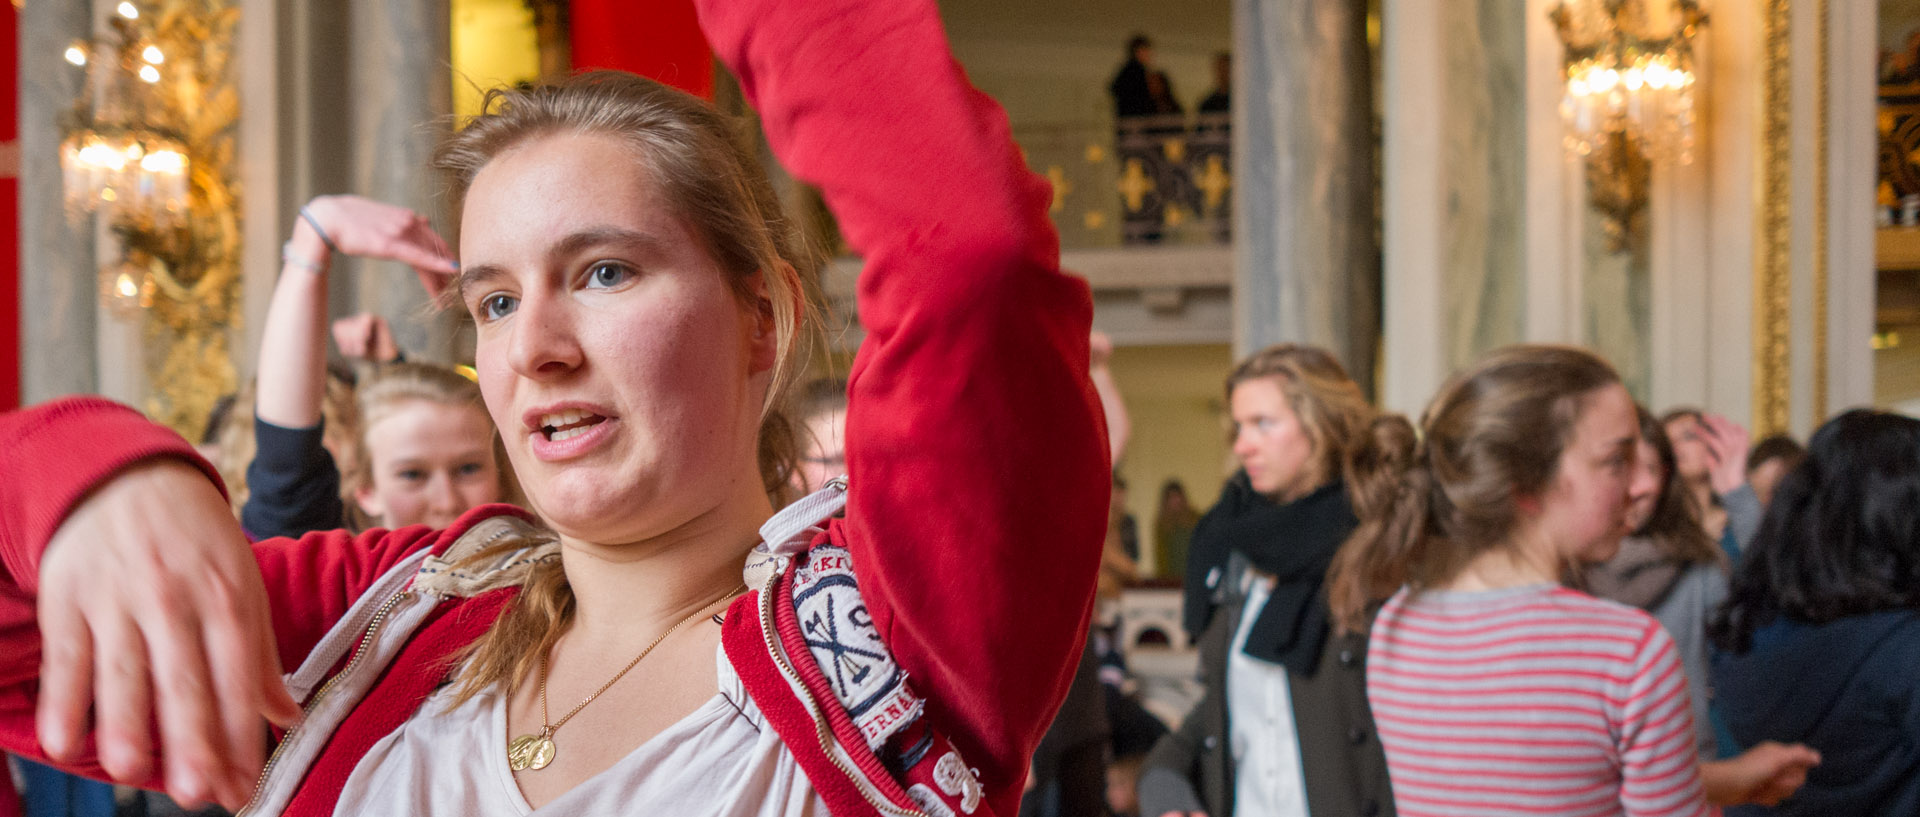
(975, 449)
(57, 454)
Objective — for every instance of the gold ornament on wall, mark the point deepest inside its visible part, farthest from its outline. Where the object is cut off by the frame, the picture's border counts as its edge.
(149, 149)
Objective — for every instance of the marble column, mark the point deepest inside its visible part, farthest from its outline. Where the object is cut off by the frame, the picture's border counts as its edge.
(1307, 260)
(402, 96)
(1483, 134)
(344, 96)
(57, 317)
(1459, 201)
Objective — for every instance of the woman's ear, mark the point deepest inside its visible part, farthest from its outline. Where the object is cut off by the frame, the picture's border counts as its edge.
(765, 338)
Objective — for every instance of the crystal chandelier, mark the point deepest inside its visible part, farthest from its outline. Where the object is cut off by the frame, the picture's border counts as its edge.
(115, 159)
(1629, 96)
(148, 157)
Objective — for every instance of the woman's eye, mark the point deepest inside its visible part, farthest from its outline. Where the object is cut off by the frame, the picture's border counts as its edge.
(412, 475)
(468, 469)
(607, 274)
(495, 307)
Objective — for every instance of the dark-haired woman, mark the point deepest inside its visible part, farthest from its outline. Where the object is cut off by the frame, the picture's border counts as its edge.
(1283, 728)
(1822, 630)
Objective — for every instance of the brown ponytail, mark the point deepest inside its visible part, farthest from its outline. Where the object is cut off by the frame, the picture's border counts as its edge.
(1493, 434)
(1390, 496)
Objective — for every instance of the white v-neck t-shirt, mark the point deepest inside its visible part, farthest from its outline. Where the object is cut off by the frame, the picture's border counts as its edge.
(723, 760)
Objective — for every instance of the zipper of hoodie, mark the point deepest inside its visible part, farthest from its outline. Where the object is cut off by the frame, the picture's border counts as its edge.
(822, 731)
(313, 702)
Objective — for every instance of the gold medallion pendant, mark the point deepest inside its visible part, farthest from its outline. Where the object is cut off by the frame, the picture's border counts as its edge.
(533, 752)
(530, 752)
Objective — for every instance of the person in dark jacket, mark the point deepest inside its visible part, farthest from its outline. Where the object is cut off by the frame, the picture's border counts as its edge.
(1140, 88)
(1821, 631)
(1283, 727)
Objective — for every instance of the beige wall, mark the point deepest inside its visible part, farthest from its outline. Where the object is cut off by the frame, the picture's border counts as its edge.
(1173, 394)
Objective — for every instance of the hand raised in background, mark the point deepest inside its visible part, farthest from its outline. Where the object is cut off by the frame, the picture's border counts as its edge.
(367, 337)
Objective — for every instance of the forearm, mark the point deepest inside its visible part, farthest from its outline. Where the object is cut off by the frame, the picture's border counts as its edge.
(57, 454)
(1119, 425)
(293, 485)
(293, 351)
(1723, 782)
(1744, 514)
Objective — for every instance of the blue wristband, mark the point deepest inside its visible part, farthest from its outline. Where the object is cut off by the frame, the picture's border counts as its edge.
(324, 238)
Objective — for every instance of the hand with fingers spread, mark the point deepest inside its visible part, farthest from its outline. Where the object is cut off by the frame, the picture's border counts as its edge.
(152, 611)
(1727, 443)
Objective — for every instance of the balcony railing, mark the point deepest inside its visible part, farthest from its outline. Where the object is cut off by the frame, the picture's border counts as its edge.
(1148, 180)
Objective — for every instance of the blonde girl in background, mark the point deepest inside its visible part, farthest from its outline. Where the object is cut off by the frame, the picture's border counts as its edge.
(428, 451)
(423, 450)
(1283, 727)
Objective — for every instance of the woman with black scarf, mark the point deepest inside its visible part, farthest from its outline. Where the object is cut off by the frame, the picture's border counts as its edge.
(1283, 729)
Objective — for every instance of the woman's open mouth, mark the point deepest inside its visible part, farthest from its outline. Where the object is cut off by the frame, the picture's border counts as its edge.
(565, 425)
(566, 433)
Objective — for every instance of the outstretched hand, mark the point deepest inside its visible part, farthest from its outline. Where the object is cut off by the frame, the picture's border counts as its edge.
(1764, 775)
(1726, 452)
(372, 229)
(152, 610)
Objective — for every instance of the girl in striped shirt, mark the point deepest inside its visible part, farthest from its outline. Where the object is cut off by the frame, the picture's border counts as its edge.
(1496, 690)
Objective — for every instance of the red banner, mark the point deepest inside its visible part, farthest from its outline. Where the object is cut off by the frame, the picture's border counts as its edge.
(9, 208)
(660, 39)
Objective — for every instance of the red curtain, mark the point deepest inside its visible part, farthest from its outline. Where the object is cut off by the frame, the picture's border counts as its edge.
(660, 39)
(9, 210)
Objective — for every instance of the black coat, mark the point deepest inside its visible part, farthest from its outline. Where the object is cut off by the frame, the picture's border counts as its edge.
(1849, 688)
(1191, 769)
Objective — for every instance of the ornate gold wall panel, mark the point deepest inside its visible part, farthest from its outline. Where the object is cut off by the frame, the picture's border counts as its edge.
(1773, 283)
(1822, 112)
(1772, 280)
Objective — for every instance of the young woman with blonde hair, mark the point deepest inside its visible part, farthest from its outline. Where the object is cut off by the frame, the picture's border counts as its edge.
(1283, 727)
(427, 451)
(638, 306)
(421, 448)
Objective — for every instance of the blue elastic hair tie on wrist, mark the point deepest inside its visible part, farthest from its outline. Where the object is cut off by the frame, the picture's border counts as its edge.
(324, 238)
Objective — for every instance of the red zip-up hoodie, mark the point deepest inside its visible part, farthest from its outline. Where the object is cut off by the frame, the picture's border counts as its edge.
(979, 477)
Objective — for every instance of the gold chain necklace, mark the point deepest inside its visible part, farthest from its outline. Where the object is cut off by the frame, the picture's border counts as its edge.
(535, 751)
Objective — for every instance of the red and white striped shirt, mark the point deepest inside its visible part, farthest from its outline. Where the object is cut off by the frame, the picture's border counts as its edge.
(1531, 700)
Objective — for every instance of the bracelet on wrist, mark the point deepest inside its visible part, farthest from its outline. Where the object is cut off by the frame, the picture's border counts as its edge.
(293, 259)
(324, 238)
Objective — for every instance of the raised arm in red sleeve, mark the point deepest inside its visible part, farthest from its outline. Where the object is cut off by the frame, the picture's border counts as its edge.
(977, 462)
